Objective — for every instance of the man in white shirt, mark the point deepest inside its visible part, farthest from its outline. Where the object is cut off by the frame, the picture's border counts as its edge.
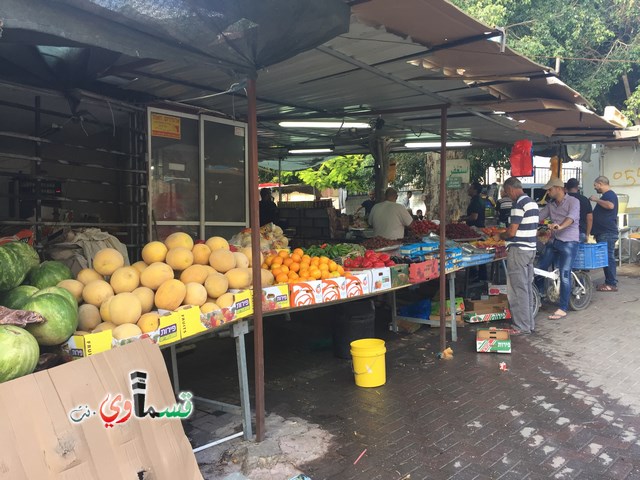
(389, 218)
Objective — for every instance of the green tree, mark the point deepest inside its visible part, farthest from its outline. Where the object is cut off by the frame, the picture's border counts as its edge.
(597, 40)
(410, 169)
(483, 158)
(353, 172)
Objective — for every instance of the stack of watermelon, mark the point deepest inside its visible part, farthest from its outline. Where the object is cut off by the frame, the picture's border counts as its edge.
(27, 284)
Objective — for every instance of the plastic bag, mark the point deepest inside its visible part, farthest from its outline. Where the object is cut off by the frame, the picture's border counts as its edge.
(522, 158)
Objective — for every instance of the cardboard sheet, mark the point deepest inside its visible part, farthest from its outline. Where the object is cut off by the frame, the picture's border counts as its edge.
(40, 441)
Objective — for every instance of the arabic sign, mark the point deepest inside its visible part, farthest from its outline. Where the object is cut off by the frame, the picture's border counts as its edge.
(455, 168)
(166, 126)
(116, 409)
(454, 182)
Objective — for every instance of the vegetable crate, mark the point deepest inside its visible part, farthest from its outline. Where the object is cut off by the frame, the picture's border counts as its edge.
(590, 256)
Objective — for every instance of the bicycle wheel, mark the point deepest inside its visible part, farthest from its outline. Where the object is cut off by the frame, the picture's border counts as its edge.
(537, 301)
(580, 297)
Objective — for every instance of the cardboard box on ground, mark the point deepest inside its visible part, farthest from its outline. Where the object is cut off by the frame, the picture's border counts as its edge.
(492, 309)
(40, 441)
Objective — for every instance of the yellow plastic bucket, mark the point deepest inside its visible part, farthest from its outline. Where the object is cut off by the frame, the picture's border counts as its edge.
(368, 362)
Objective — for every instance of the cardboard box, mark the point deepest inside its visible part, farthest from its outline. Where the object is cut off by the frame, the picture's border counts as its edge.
(495, 340)
(380, 279)
(358, 283)
(305, 293)
(334, 289)
(47, 434)
(242, 303)
(275, 297)
(460, 306)
(497, 289)
(491, 310)
(423, 271)
(81, 346)
(399, 275)
(169, 330)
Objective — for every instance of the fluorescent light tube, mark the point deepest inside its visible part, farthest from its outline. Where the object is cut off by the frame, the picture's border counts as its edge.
(335, 125)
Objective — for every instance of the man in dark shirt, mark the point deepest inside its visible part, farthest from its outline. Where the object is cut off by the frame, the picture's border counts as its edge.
(605, 228)
(475, 210)
(368, 204)
(586, 212)
(268, 208)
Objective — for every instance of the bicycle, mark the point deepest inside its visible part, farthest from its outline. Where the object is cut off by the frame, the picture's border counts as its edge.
(581, 289)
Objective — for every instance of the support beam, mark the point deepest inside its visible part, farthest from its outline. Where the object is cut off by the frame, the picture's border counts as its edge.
(254, 222)
(443, 224)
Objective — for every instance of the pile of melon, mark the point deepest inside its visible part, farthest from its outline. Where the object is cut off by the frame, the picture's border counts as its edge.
(171, 274)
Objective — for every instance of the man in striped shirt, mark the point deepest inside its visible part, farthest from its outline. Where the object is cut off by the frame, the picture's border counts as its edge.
(521, 251)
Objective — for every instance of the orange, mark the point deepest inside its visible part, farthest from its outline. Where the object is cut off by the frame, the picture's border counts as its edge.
(277, 261)
(276, 271)
(324, 259)
(306, 258)
(315, 261)
(316, 274)
(294, 267)
(269, 260)
(324, 267)
(340, 270)
(287, 261)
(284, 269)
(283, 254)
(264, 266)
(334, 274)
(325, 274)
(299, 252)
(333, 266)
(293, 276)
(296, 258)
(282, 278)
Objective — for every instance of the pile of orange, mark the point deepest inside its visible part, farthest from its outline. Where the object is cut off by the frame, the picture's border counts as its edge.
(297, 267)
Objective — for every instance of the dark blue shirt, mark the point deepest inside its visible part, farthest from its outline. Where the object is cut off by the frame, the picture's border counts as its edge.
(605, 220)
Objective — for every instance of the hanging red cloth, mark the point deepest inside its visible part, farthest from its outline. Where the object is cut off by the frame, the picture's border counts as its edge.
(522, 159)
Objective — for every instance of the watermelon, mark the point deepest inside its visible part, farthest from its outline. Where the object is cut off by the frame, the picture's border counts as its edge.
(17, 296)
(62, 318)
(16, 260)
(48, 274)
(58, 291)
(19, 352)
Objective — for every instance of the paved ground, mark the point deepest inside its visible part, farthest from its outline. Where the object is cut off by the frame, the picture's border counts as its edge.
(566, 408)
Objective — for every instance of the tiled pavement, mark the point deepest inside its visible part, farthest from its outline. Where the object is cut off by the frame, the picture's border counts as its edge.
(551, 415)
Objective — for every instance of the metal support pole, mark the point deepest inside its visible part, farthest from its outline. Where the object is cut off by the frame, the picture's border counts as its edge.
(443, 223)
(254, 218)
(240, 329)
(174, 370)
(394, 314)
(279, 180)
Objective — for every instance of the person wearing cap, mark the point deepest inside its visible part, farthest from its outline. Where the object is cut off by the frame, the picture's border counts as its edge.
(586, 212)
(564, 212)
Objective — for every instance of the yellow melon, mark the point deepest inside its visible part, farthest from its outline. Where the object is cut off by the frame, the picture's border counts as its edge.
(125, 308)
(107, 261)
(267, 277)
(196, 294)
(222, 260)
(139, 266)
(96, 292)
(179, 239)
(195, 273)
(74, 287)
(88, 317)
(87, 275)
(216, 285)
(105, 313)
(104, 326)
(154, 252)
(239, 278)
(179, 258)
(201, 253)
(226, 300)
(217, 243)
(210, 269)
(209, 307)
(170, 294)
(155, 275)
(247, 252)
(126, 330)
(241, 260)
(149, 322)
(146, 296)
(125, 279)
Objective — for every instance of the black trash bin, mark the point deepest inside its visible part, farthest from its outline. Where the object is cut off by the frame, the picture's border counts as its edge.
(354, 321)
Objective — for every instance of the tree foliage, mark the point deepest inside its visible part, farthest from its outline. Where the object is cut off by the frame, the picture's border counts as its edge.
(353, 172)
(598, 40)
(483, 158)
(410, 170)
